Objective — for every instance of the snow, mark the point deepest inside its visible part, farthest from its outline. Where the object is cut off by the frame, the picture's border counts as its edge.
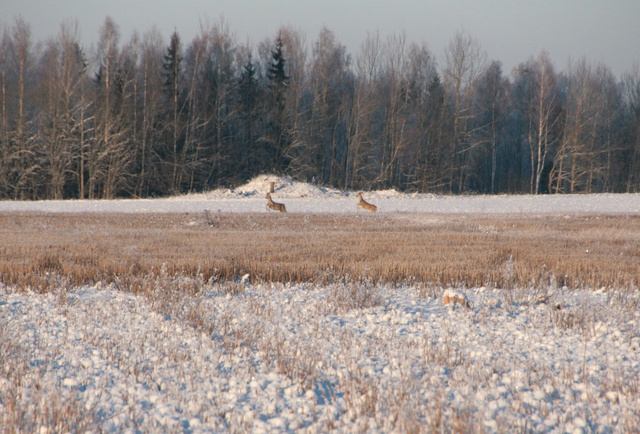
(345, 356)
(283, 358)
(307, 198)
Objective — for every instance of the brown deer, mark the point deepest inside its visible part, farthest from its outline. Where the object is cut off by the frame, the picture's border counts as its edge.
(366, 205)
(275, 205)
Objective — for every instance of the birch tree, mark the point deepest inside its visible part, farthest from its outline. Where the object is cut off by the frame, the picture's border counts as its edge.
(62, 70)
(150, 76)
(4, 115)
(631, 94)
(490, 107)
(463, 62)
(394, 87)
(325, 147)
(361, 167)
(222, 83)
(22, 162)
(110, 157)
(292, 56)
(540, 108)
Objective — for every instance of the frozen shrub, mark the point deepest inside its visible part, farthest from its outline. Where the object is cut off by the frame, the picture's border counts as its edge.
(347, 296)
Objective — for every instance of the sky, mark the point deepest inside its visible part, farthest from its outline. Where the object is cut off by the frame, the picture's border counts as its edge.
(509, 31)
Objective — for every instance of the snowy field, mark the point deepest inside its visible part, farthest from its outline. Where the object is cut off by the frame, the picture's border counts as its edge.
(201, 356)
(307, 198)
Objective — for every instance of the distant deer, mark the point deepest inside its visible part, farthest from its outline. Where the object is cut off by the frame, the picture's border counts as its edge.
(275, 205)
(366, 205)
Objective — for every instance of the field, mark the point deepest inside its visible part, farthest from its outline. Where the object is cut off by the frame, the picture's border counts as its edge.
(200, 321)
(581, 251)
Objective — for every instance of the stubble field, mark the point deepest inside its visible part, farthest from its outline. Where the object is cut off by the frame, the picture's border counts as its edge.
(209, 322)
(578, 251)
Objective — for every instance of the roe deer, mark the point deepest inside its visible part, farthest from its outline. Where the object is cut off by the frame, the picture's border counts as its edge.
(454, 297)
(274, 205)
(366, 205)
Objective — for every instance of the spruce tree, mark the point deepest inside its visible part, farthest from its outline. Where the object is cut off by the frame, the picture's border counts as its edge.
(278, 79)
(171, 66)
(248, 96)
(278, 130)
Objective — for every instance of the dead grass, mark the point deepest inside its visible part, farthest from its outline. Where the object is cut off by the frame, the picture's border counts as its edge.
(471, 250)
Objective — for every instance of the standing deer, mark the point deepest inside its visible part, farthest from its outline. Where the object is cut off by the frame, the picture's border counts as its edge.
(366, 205)
(274, 205)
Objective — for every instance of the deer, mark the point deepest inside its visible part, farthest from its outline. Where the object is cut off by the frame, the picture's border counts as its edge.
(364, 204)
(274, 205)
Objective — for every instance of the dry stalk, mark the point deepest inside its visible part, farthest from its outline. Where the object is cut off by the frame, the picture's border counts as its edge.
(516, 251)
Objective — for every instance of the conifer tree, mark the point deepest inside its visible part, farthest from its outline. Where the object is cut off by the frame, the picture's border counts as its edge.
(248, 96)
(277, 131)
(171, 67)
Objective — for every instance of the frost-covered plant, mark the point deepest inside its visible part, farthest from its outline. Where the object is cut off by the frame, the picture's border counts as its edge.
(26, 401)
(346, 296)
(288, 358)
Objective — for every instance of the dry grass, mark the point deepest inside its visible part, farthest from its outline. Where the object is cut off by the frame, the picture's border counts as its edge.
(472, 250)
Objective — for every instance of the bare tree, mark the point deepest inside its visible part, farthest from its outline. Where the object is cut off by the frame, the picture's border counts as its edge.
(426, 100)
(62, 70)
(464, 61)
(541, 108)
(50, 121)
(222, 74)
(490, 110)
(631, 89)
(5, 41)
(109, 159)
(85, 122)
(324, 152)
(585, 158)
(22, 55)
(606, 172)
(294, 50)
(150, 78)
(394, 77)
(573, 150)
(197, 107)
(22, 164)
(360, 161)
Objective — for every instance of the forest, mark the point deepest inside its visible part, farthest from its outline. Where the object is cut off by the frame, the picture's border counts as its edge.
(151, 117)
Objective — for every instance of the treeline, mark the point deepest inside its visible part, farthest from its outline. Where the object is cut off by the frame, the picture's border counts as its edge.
(146, 118)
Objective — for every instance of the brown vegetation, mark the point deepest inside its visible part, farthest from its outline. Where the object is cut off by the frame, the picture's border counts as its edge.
(501, 251)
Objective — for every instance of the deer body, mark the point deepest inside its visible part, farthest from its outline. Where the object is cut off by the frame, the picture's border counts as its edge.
(275, 205)
(366, 205)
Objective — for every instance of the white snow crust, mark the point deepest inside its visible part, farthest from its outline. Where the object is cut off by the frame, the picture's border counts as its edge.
(344, 356)
(288, 358)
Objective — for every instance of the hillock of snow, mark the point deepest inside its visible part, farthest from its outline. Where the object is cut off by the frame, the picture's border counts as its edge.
(284, 187)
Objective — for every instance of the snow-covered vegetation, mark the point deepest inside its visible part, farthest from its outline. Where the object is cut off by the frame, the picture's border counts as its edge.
(185, 352)
(193, 356)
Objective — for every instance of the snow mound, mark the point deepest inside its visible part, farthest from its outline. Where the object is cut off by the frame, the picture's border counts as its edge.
(284, 187)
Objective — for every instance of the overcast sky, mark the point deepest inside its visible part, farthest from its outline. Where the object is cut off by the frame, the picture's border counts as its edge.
(510, 31)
